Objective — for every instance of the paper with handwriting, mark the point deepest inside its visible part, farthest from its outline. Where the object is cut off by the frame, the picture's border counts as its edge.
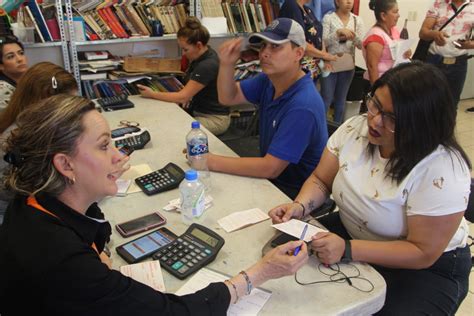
(242, 219)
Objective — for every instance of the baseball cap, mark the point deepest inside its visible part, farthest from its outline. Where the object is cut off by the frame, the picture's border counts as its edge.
(280, 31)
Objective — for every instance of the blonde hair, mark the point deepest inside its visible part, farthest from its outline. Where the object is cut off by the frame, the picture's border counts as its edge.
(50, 126)
(34, 85)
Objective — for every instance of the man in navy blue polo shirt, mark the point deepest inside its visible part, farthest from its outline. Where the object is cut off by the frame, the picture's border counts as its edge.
(293, 130)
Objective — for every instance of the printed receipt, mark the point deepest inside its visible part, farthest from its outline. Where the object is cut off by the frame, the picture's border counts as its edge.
(242, 219)
(147, 272)
(247, 305)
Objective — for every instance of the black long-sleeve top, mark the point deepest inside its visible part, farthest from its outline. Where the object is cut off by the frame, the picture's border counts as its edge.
(48, 264)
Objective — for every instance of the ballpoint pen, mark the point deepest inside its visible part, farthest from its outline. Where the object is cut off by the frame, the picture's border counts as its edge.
(297, 249)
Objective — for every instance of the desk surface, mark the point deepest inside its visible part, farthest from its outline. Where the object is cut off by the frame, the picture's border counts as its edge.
(168, 126)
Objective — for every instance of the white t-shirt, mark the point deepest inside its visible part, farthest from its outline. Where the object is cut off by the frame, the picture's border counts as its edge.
(372, 207)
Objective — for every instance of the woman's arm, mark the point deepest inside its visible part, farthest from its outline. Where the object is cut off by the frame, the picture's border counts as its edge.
(373, 55)
(314, 192)
(316, 53)
(427, 33)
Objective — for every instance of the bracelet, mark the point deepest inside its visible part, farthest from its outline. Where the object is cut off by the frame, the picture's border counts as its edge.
(302, 205)
(247, 279)
(235, 289)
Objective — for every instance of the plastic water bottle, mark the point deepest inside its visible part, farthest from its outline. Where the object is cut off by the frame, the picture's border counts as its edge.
(198, 148)
(192, 197)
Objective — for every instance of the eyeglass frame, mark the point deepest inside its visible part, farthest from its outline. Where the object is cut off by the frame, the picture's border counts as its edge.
(372, 98)
(127, 123)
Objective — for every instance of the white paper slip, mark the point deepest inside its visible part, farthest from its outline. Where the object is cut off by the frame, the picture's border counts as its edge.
(133, 173)
(122, 186)
(242, 219)
(247, 305)
(147, 272)
(174, 205)
(294, 228)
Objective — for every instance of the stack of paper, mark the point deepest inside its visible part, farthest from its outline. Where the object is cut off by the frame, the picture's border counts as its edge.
(147, 272)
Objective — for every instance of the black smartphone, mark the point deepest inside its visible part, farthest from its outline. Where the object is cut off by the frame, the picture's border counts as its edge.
(140, 224)
(126, 150)
(145, 246)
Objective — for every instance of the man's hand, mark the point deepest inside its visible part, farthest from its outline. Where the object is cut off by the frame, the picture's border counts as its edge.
(229, 52)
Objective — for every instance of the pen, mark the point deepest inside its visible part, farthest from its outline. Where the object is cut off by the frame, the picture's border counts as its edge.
(297, 249)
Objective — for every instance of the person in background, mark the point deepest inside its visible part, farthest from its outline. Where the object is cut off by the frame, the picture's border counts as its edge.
(444, 53)
(39, 82)
(376, 43)
(13, 64)
(199, 94)
(315, 50)
(293, 130)
(342, 33)
(52, 243)
(401, 182)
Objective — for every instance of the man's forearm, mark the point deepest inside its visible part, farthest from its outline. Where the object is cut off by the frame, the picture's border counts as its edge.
(226, 86)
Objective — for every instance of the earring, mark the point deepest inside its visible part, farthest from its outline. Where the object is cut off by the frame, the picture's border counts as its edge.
(72, 180)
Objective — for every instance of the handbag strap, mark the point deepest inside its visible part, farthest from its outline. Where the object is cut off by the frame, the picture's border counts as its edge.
(455, 14)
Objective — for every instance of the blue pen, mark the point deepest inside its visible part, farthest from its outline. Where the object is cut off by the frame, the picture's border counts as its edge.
(297, 249)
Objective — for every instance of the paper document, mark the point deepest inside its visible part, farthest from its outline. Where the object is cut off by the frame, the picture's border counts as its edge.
(399, 48)
(147, 272)
(175, 205)
(242, 219)
(247, 305)
(122, 186)
(135, 172)
(294, 228)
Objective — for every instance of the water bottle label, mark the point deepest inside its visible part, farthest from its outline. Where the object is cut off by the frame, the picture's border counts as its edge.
(197, 149)
(199, 205)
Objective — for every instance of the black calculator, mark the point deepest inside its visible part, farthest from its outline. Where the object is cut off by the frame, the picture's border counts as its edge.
(191, 251)
(116, 102)
(161, 180)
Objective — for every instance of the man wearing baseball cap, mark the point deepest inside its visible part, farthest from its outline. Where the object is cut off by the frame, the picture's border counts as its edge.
(293, 131)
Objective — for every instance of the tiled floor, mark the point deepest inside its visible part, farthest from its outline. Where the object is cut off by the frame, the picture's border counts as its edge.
(465, 136)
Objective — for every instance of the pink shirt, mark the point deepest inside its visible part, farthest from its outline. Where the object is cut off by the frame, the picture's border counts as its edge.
(376, 34)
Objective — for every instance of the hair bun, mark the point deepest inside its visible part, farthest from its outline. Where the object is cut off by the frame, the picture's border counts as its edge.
(193, 23)
(372, 5)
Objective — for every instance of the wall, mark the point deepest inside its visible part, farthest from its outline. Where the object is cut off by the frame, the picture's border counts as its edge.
(420, 7)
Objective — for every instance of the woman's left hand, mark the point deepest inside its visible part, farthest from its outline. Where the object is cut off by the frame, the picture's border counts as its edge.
(145, 91)
(328, 247)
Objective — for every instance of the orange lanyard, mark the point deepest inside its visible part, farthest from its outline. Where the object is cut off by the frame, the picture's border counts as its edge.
(31, 201)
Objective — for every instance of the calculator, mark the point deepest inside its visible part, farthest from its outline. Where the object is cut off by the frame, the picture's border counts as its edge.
(191, 251)
(161, 180)
(116, 102)
(131, 136)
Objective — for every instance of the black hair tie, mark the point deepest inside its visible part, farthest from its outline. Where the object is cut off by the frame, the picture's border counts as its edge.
(14, 158)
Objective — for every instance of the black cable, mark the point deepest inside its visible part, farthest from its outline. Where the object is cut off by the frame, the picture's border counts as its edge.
(337, 276)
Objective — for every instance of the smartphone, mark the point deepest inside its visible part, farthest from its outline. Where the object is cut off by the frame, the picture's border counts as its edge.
(145, 246)
(126, 150)
(140, 224)
(457, 44)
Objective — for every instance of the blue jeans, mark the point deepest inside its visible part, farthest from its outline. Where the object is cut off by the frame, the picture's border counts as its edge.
(437, 290)
(455, 73)
(334, 89)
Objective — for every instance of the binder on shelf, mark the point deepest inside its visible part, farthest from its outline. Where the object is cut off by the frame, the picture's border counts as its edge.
(38, 18)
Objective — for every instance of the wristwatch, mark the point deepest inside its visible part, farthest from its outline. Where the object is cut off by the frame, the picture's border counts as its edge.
(347, 256)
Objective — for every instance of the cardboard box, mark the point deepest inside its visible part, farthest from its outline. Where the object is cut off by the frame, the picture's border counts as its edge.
(146, 64)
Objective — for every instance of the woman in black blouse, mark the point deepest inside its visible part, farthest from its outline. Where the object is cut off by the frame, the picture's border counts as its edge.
(52, 254)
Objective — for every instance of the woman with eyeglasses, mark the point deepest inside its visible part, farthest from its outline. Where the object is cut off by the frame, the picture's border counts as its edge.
(401, 182)
(13, 64)
(39, 82)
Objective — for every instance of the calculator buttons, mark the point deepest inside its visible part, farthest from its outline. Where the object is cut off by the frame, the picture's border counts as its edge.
(177, 265)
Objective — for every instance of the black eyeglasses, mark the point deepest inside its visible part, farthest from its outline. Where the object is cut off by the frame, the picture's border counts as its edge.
(374, 108)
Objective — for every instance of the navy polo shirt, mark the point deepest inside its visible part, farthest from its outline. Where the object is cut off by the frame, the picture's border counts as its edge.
(292, 127)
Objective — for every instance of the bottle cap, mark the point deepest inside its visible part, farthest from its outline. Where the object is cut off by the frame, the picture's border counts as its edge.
(191, 175)
(195, 124)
